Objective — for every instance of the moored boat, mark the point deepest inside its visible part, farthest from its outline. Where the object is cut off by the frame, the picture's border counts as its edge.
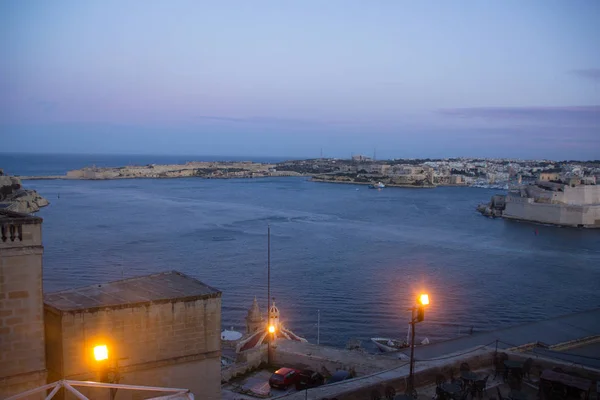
(377, 185)
(387, 345)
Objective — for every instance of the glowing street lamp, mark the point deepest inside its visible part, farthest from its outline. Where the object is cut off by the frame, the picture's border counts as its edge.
(418, 315)
(271, 330)
(101, 353)
(106, 372)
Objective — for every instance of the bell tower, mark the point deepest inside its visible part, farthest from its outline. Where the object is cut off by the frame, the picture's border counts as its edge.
(254, 319)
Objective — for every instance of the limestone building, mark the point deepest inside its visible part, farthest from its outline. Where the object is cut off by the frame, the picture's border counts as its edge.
(22, 360)
(160, 330)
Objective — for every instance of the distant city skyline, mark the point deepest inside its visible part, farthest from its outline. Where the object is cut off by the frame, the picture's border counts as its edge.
(411, 79)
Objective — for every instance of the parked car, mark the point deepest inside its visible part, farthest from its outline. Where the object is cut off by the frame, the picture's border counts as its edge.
(339, 375)
(309, 379)
(284, 377)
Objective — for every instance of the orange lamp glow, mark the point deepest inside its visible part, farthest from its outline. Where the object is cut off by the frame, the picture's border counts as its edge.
(271, 329)
(424, 299)
(101, 353)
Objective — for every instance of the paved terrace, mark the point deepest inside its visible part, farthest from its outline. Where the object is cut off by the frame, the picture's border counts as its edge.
(561, 333)
(559, 330)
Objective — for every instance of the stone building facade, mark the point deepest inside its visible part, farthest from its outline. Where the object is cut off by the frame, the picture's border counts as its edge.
(22, 360)
(160, 330)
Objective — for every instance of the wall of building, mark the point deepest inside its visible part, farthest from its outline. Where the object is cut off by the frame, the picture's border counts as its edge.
(192, 375)
(151, 338)
(588, 216)
(22, 355)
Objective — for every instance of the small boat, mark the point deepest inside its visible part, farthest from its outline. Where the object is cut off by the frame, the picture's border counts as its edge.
(387, 345)
(377, 185)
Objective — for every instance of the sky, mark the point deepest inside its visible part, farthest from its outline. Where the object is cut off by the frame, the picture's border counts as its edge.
(423, 78)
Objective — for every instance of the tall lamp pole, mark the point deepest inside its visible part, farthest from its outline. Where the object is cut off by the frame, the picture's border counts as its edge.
(269, 273)
(106, 372)
(270, 326)
(417, 315)
(271, 339)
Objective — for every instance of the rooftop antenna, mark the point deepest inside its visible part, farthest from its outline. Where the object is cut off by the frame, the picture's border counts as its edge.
(374, 154)
(321, 152)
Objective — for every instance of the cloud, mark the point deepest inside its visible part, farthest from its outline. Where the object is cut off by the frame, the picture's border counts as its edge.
(566, 115)
(587, 73)
(261, 120)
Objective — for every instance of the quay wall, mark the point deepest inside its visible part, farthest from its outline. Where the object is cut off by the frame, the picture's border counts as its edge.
(246, 361)
(425, 373)
(557, 214)
(328, 359)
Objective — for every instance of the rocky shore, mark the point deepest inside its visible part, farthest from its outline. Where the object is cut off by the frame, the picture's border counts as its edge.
(14, 198)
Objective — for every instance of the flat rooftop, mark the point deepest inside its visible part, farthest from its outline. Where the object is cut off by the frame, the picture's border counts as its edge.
(170, 286)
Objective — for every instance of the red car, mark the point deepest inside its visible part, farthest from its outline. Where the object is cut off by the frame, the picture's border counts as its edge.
(284, 377)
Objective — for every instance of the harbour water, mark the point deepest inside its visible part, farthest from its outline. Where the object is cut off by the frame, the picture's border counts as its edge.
(358, 256)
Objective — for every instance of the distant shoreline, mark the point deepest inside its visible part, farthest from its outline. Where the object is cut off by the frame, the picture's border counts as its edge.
(370, 183)
(68, 178)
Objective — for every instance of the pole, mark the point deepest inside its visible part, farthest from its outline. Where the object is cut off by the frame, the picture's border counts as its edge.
(269, 291)
(269, 274)
(269, 349)
(411, 387)
(318, 326)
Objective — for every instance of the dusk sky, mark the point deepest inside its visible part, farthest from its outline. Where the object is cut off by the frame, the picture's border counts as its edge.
(287, 78)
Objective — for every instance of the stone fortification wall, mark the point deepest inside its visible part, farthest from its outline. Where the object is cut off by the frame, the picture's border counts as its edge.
(168, 344)
(22, 357)
(558, 214)
(587, 194)
(578, 195)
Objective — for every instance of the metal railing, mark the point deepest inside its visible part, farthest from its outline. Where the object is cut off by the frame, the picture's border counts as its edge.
(169, 393)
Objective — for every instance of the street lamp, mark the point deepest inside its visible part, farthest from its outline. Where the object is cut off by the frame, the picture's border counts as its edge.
(101, 353)
(417, 315)
(272, 338)
(107, 373)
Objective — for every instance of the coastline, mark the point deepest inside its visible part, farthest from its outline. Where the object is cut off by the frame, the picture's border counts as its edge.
(370, 183)
(70, 178)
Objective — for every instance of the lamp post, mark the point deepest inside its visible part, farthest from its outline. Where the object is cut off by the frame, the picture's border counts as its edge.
(107, 373)
(417, 315)
(272, 338)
